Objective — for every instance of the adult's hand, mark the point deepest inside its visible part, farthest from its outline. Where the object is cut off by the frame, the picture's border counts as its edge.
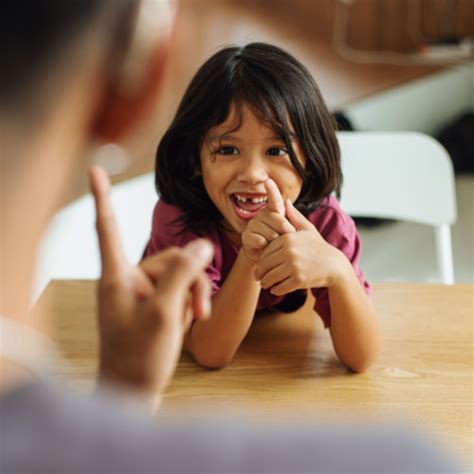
(144, 310)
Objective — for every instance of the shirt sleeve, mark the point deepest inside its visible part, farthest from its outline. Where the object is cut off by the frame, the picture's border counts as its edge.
(339, 230)
(167, 231)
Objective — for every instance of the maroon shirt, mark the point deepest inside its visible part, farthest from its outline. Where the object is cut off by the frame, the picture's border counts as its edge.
(335, 226)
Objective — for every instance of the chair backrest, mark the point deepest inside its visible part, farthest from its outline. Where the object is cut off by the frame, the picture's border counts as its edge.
(405, 176)
(400, 175)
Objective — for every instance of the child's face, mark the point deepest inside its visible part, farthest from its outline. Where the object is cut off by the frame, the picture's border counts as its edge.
(235, 164)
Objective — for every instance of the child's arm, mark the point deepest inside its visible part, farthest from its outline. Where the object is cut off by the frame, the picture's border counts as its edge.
(305, 260)
(214, 342)
(354, 328)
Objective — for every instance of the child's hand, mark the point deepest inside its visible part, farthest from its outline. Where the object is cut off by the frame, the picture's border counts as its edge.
(267, 225)
(302, 259)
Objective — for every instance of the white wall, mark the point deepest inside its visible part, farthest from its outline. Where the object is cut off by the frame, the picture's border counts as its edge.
(423, 105)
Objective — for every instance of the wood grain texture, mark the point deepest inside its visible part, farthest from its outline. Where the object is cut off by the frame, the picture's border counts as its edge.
(286, 367)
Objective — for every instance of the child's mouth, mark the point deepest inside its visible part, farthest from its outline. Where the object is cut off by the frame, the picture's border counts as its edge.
(246, 206)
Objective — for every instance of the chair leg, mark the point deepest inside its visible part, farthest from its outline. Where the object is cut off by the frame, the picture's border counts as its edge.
(444, 252)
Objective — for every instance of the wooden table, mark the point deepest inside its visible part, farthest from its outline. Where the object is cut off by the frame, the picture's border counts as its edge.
(286, 366)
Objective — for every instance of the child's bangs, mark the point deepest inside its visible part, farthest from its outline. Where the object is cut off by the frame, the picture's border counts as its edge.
(270, 116)
(272, 113)
(272, 110)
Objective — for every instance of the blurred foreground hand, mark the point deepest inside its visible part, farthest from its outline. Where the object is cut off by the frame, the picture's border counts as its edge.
(145, 310)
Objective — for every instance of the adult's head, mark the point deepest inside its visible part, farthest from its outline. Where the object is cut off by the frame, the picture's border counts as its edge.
(74, 73)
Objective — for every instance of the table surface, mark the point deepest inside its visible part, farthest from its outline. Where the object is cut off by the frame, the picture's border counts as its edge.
(286, 366)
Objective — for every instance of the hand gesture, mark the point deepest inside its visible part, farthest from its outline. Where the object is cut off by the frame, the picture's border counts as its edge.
(143, 311)
(267, 225)
(297, 260)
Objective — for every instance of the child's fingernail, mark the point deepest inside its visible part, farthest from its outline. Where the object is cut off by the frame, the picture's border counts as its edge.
(200, 248)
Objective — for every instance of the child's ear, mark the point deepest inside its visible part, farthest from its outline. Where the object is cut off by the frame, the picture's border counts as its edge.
(124, 105)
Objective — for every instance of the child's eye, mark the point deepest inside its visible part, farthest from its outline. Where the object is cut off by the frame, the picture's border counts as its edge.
(227, 150)
(277, 151)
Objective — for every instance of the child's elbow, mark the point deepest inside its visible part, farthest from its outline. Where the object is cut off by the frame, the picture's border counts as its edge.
(359, 366)
(364, 360)
(213, 362)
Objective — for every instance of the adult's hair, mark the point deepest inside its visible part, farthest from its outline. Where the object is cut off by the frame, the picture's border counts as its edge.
(282, 93)
(40, 41)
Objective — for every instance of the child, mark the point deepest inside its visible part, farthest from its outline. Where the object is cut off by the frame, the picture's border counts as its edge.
(250, 162)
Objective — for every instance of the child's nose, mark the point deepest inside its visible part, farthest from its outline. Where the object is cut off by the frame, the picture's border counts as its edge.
(252, 170)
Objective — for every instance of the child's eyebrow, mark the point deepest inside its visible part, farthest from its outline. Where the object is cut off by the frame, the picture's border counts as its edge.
(219, 138)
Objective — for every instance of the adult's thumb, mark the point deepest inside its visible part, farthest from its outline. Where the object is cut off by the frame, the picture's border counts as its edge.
(201, 249)
(184, 268)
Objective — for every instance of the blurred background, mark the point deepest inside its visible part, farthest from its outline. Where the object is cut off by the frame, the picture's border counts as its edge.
(382, 65)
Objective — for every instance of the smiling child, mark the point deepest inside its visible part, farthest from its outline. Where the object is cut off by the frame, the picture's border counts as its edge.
(251, 162)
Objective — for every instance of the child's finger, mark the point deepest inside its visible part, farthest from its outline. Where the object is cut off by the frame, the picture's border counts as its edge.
(275, 276)
(275, 200)
(254, 241)
(267, 263)
(257, 226)
(298, 220)
(279, 223)
(107, 231)
(271, 248)
(285, 287)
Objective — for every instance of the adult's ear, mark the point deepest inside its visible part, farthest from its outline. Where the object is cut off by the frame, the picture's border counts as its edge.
(122, 107)
(128, 97)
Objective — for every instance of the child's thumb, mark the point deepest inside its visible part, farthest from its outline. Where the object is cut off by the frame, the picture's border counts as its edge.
(295, 217)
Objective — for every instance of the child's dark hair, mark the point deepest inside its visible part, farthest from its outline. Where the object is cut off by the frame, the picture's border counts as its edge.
(280, 91)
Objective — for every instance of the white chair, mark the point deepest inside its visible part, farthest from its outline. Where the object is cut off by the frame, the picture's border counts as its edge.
(405, 176)
(69, 248)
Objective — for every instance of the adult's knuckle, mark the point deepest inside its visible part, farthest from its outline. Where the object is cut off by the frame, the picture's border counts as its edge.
(172, 252)
(157, 308)
(184, 260)
(109, 284)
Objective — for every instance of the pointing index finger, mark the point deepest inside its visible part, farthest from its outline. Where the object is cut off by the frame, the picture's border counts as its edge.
(275, 199)
(107, 231)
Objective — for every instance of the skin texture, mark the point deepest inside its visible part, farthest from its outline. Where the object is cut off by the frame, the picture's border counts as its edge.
(279, 248)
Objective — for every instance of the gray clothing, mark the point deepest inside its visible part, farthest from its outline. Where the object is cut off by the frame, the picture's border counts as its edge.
(45, 429)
